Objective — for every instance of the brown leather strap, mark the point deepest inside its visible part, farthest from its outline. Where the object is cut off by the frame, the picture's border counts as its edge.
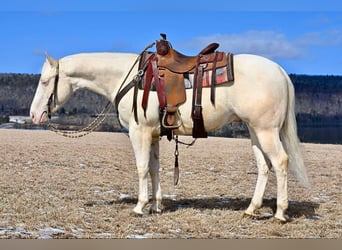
(134, 106)
(199, 81)
(194, 88)
(230, 67)
(198, 130)
(148, 82)
(213, 81)
(160, 85)
(122, 93)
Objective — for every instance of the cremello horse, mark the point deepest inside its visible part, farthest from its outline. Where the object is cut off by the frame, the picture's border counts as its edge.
(262, 96)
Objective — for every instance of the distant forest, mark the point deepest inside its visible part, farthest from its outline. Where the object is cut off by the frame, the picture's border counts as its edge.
(316, 96)
(318, 101)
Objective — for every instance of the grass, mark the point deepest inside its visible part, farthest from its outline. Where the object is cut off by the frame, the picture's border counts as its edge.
(53, 187)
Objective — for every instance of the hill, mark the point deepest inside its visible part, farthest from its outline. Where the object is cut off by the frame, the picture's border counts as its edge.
(318, 102)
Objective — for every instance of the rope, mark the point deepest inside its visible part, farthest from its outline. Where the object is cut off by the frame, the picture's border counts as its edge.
(86, 130)
(184, 143)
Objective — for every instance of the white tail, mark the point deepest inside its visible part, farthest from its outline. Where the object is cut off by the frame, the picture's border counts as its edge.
(289, 138)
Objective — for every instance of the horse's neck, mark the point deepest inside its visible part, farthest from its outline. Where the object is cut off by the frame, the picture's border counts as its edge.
(102, 73)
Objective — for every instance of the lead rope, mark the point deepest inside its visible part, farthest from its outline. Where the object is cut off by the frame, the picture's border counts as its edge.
(86, 130)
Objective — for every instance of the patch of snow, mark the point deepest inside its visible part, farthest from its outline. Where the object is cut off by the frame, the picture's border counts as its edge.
(139, 236)
(123, 196)
(266, 215)
(316, 217)
(177, 230)
(103, 235)
(6, 230)
(169, 195)
(48, 233)
(77, 231)
(110, 191)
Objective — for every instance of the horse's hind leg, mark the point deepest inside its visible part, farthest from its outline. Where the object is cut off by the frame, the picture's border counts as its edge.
(272, 147)
(263, 169)
(154, 172)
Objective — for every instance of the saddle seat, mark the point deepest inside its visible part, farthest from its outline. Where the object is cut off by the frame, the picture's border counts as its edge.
(179, 63)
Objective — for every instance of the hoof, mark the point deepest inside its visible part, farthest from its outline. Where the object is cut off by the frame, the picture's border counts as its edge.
(250, 215)
(257, 216)
(281, 220)
(137, 212)
(155, 211)
(134, 214)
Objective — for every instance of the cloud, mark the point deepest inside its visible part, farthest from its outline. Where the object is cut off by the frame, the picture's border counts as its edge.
(270, 44)
(321, 38)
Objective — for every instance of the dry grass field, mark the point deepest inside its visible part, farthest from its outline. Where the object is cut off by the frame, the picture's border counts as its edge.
(55, 187)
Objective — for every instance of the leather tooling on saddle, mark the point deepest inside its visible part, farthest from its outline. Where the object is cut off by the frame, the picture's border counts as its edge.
(169, 73)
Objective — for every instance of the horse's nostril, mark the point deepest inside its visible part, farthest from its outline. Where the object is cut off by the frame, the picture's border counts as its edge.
(32, 115)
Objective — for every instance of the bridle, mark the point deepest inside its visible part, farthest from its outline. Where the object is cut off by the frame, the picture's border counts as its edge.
(52, 101)
(53, 97)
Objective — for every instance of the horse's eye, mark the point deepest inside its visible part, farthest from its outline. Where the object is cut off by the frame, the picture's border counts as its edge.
(44, 82)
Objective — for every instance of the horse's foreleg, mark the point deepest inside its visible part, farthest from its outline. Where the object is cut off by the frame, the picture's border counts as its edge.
(263, 169)
(141, 139)
(154, 172)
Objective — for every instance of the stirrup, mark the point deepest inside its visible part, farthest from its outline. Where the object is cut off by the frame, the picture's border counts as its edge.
(177, 119)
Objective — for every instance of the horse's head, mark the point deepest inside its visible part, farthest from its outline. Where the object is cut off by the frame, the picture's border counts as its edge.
(49, 96)
(45, 97)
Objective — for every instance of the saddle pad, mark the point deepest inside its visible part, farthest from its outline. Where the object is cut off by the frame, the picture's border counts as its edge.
(223, 75)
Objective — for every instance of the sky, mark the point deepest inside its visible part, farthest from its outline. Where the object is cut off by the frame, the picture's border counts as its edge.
(304, 37)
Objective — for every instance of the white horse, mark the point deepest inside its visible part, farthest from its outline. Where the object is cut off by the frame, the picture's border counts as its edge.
(262, 96)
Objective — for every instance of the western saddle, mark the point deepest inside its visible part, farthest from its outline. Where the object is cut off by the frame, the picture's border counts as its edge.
(166, 71)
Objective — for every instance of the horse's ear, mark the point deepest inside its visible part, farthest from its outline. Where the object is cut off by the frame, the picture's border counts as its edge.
(53, 62)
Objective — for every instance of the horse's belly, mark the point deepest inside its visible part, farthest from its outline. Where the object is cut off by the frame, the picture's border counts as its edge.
(214, 117)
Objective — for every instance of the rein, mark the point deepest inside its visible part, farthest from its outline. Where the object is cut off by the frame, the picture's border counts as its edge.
(91, 127)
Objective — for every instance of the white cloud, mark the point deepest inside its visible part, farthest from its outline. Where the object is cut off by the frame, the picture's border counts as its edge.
(270, 44)
(321, 38)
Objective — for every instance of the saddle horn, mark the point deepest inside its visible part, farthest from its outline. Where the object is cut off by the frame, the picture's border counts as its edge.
(163, 35)
(163, 45)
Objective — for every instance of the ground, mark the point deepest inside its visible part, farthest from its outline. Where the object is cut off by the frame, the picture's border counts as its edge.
(55, 187)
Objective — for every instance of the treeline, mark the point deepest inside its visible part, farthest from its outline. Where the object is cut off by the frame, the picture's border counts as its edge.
(318, 98)
(317, 84)
(17, 92)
